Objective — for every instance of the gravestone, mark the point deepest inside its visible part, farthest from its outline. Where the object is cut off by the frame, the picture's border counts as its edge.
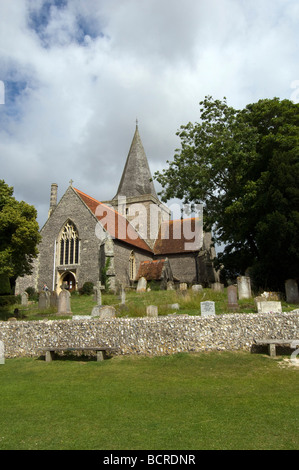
(24, 299)
(244, 287)
(103, 312)
(122, 295)
(183, 286)
(170, 285)
(142, 284)
(217, 287)
(267, 307)
(291, 288)
(207, 309)
(2, 353)
(197, 288)
(97, 293)
(152, 311)
(64, 303)
(43, 300)
(232, 297)
(53, 299)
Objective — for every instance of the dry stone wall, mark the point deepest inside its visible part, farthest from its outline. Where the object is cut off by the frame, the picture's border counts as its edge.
(149, 336)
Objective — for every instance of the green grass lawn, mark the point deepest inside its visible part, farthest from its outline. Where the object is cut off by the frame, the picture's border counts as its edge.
(182, 402)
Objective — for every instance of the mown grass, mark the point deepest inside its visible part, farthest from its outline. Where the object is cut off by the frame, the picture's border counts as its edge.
(182, 402)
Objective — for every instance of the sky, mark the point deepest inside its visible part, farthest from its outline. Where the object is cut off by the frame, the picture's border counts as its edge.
(76, 74)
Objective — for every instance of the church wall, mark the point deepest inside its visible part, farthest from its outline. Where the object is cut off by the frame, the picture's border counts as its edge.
(69, 207)
(122, 253)
(183, 266)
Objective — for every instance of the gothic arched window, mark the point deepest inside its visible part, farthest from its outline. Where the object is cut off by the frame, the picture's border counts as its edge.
(69, 245)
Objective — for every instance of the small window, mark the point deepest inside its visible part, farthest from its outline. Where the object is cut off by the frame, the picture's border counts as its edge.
(132, 267)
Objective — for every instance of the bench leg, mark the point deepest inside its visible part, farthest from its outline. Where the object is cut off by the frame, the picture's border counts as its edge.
(100, 355)
(272, 350)
(49, 356)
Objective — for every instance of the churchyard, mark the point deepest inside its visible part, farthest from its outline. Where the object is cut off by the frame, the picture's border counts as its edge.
(134, 304)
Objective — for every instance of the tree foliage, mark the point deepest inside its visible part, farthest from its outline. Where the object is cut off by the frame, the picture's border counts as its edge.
(19, 234)
(243, 166)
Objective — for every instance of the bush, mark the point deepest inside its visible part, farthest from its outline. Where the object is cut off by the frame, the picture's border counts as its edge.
(87, 288)
(5, 288)
(32, 294)
(6, 300)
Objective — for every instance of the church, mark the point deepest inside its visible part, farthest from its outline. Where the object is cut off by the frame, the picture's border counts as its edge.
(128, 237)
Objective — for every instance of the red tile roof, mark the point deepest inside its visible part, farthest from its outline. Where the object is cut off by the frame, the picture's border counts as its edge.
(113, 222)
(179, 236)
(151, 270)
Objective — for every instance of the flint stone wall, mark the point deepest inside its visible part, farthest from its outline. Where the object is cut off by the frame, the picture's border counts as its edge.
(149, 336)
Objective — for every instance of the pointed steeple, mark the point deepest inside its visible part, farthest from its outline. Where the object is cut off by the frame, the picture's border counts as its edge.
(136, 177)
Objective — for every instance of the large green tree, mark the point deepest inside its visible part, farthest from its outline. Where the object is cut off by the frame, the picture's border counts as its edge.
(243, 166)
(19, 234)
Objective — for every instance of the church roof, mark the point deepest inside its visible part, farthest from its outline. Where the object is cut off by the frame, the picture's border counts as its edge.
(179, 236)
(113, 222)
(151, 270)
(136, 177)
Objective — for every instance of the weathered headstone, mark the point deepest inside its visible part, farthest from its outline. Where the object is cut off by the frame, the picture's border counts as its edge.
(81, 317)
(267, 307)
(152, 311)
(64, 303)
(24, 299)
(197, 288)
(170, 285)
(53, 299)
(2, 353)
(217, 287)
(174, 306)
(104, 312)
(122, 295)
(43, 300)
(183, 286)
(244, 287)
(292, 294)
(142, 284)
(232, 297)
(207, 309)
(97, 293)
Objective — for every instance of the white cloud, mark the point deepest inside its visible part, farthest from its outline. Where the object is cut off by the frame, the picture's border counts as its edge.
(78, 73)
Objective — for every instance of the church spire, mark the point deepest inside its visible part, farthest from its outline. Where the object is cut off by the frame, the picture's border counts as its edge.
(136, 177)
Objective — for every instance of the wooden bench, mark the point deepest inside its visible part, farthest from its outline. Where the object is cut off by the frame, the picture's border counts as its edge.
(272, 343)
(100, 350)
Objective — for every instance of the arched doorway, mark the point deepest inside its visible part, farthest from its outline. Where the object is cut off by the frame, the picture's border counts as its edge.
(68, 281)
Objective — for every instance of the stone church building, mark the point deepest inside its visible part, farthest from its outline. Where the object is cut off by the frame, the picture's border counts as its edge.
(130, 236)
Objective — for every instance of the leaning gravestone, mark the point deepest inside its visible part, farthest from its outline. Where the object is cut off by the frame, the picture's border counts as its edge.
(24, 299)
(291, 288)
(64, 303)
(207, 309)
(43, 300)
(104, 312)
(142, 284)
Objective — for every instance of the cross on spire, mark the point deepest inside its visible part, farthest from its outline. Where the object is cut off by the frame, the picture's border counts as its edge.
(71, 182)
